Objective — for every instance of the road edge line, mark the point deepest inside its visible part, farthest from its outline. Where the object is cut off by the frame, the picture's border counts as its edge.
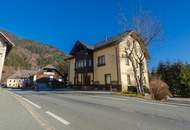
(34, 104)
(63, 121)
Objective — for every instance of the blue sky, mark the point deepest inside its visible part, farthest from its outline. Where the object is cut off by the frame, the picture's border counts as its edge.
(61, 22)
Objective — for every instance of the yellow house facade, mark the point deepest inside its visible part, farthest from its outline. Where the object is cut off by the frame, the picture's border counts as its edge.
(104, 65)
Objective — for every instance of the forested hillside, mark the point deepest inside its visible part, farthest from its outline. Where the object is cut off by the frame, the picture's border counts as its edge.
(29, 54)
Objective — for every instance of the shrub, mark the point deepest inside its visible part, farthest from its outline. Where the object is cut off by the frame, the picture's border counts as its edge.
(159, 90)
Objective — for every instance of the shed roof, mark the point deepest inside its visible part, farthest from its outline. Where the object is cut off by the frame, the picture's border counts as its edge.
(22, 74)
(49, 67)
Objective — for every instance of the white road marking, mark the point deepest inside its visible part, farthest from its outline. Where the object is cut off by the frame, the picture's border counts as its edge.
(10, 92)
(58, 118)
(37, 106)
(18, 96)
(36, 115)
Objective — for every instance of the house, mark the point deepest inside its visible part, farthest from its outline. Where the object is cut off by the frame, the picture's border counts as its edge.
(5, 46)
(20, 79)
(49, 76)
(104, 65)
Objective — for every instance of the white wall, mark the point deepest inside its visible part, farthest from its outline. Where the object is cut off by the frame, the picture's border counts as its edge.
(71, 70)
(2, 56)
(128, 69)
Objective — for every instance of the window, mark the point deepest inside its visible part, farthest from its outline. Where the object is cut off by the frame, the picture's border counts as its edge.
(144, 80)
(90, 63)
(137, 64)
(49, 70)
(128, 45)
(79, 62)
(76, 64)
(84, 63)
(127, 61)
(50, 77)
(135, 46)
(129, 79)
(101, 60)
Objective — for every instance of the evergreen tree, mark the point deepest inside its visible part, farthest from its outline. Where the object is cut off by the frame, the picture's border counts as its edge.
(177, 76)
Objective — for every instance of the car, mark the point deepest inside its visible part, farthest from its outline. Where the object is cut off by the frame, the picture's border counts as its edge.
(3, 85)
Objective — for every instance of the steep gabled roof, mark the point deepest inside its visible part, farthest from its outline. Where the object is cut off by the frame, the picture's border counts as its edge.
(68, 57)
(111, 41)
(51, 67)
(7, 38)
(9, 43)
(141, 42)
(88, 46)
(80, 43)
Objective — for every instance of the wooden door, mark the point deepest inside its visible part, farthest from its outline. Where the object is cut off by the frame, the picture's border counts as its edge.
(107, 78)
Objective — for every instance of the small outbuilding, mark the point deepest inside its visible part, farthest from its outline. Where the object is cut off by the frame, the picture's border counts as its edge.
(21, 79)
(48, 77)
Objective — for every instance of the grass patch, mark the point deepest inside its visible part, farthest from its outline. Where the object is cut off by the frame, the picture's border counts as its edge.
(128, 94)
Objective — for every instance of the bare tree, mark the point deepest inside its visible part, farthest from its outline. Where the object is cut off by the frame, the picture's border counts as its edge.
(147, 26)
(149, 29)
(137, 60)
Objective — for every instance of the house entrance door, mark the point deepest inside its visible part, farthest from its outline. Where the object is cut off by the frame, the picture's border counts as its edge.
(87, 80)
(107, 78)
(76, 80)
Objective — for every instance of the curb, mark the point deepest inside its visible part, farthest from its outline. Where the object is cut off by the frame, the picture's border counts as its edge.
(85, 93)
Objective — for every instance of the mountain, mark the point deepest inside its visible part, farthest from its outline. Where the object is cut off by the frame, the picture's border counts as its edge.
(31, 55)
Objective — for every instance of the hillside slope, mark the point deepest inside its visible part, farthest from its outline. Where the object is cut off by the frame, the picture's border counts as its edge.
(28, 54)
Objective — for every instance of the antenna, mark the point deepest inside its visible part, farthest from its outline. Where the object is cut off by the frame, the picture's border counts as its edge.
(106, 37)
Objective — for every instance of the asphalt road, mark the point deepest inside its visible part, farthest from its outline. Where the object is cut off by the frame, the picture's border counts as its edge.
(13, 116)
(58, 111)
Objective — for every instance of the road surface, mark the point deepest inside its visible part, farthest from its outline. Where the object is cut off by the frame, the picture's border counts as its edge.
(58, 111)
